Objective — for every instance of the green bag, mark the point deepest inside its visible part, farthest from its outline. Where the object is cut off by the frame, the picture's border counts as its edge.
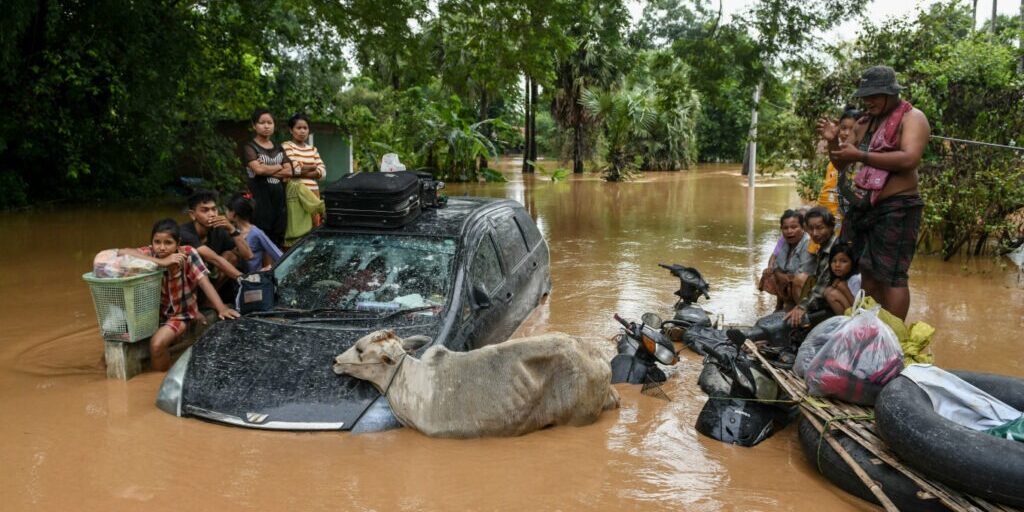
(1013, 431)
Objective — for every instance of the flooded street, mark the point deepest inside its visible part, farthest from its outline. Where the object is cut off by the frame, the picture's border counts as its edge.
(71, 439)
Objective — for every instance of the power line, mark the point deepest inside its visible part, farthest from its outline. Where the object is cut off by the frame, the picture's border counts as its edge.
(979, 143)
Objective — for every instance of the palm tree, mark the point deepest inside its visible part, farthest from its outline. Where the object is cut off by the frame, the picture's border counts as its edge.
(625, 116)
(597, 61)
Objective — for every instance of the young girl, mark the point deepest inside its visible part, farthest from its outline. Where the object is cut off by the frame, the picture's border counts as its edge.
(185, 273)
(264, 252)
(845, 279)
(268, 165)
(829, 195)
(305, 156)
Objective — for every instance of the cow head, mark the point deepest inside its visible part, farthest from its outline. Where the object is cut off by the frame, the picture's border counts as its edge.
(375, 357)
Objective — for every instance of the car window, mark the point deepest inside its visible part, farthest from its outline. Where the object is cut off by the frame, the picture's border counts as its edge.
(371, 272)
(510, 240)
(486, 270)
(528, 228)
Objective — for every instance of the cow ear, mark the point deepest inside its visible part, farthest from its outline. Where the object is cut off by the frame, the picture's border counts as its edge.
(413, 343)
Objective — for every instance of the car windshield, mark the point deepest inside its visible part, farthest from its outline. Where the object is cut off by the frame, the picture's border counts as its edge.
(369, 272)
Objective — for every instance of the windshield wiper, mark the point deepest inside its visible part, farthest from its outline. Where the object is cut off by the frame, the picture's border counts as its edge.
(405, 311)
(303, 312)
(381, 317)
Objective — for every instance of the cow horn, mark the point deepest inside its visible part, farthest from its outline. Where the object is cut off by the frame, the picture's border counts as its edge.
(414, 342)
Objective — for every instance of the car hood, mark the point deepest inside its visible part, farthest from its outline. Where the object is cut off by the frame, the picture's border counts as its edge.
(265, 374)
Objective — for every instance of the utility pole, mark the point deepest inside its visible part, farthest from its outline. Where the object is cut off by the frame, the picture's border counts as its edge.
(974, 15)
(1020, 40)
(753, 136)
(527, 135)
(995, 4)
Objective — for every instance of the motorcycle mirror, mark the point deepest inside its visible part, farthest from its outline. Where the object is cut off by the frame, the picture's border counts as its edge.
(651, 319)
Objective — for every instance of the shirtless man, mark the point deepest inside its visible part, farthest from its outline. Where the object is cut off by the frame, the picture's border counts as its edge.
(884, 231)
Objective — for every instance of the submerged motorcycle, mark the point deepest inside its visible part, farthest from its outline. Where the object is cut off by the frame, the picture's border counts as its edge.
(744, 405)
(640, 348)
(688, 313)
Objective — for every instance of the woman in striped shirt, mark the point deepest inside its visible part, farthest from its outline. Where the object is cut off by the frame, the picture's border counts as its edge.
(304, 154)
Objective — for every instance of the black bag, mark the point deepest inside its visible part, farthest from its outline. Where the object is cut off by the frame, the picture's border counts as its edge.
(430, 190)
(255, 292)
(373, 200)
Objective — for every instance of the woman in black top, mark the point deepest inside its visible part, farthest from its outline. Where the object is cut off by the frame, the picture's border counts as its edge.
(267, 165)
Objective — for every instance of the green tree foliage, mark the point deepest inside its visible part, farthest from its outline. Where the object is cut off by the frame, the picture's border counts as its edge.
(669, 143)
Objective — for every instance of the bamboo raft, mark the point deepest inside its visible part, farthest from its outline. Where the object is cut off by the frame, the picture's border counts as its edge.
(858, 423)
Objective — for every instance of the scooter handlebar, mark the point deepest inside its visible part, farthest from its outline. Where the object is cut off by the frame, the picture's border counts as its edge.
(621, 321)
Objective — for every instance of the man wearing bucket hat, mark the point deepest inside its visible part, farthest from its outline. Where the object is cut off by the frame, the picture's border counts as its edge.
(884, 206)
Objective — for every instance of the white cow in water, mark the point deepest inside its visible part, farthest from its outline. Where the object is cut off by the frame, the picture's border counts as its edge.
(507, 389)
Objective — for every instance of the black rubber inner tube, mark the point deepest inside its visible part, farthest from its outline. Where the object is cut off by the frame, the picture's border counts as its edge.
(901, 490)
(964, 459)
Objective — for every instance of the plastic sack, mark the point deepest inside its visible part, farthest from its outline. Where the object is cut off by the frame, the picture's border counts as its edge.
(108, 264)
(817, 338)
(389, 163)
(1017, 256)
(913, 347)
(913, 340)
(862, 357)
(115, 323)
(1012, 431)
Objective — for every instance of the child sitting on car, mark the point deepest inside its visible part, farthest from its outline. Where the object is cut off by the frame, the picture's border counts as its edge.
(185, 273)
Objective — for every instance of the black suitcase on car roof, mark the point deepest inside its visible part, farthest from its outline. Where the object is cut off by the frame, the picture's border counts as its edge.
(373, 200)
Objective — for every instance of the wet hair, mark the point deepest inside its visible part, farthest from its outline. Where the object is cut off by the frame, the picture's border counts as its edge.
(842, 248)
(850, 112)
(791, 214)
(258, 113)
(169, 226)
(242, 207)
(822, 213)
(201, 196)
(296, 117)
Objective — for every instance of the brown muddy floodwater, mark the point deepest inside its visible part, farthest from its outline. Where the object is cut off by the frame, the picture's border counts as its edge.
(73, 440)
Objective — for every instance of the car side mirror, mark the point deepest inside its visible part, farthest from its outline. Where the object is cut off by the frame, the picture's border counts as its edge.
(480, 297)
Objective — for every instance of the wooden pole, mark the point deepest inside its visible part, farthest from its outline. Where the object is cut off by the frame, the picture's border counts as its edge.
(864, 477)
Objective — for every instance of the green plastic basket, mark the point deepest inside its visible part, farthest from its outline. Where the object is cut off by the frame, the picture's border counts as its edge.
(127, 308)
